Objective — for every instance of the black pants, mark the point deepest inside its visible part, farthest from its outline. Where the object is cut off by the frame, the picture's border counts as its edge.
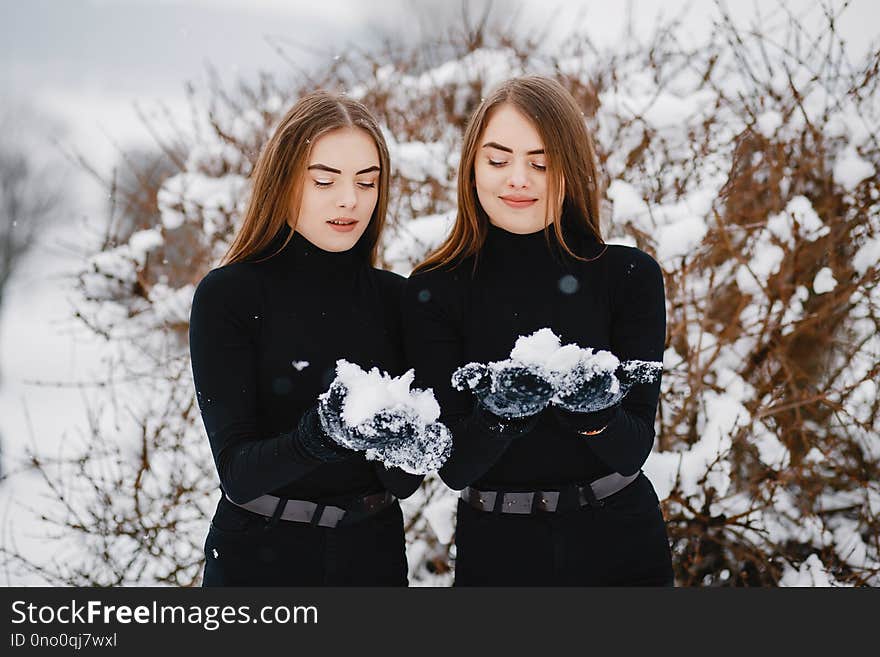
(243, 549)
(622, 543)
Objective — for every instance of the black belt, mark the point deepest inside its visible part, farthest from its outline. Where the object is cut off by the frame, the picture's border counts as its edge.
(545, 500)
(321, 515)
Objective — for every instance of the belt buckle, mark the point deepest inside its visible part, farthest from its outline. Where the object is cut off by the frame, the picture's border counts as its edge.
(377, 501)
(547, 500)
(587, 496)
(371, 503)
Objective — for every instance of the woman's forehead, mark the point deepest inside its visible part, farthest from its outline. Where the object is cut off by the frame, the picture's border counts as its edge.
(345, 148)
(509, 127)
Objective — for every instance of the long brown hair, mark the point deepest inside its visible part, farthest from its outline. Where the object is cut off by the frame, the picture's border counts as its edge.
(573, 174)
(277, 178)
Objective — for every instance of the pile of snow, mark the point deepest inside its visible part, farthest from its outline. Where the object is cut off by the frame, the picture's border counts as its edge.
(564, 366)
(374, 391)
(377, 404)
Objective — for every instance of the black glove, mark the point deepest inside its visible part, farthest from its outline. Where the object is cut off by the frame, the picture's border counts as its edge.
(499, 427)
(587, 400)
(315, 443)
(330, 406)
(510, 391)
(583, 390)
(422, 449)
(387, 428)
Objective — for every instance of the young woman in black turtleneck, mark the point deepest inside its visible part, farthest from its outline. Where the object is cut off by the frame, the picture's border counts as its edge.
(551, 496)
(296, 293)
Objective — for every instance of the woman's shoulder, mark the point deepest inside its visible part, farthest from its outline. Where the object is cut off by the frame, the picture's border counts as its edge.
(446, 281)
(238, 280)
(450, 273)
(388, 278)
(634, 274)
(629, 260)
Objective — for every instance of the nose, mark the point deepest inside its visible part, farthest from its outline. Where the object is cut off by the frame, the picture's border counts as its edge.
(518, 177)
(347, 197)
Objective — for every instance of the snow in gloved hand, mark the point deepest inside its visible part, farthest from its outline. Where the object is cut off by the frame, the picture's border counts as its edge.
(580, 379)
(513, 388)
(587, 380)
(378, 413)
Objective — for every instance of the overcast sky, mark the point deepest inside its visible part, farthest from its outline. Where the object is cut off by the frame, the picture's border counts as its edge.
(87, 61)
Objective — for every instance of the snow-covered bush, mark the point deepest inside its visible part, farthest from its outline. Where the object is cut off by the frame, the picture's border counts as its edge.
(746, 165)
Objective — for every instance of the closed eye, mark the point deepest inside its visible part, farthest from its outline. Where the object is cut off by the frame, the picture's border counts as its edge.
(323, 183)
(501, 163)
(367, 185)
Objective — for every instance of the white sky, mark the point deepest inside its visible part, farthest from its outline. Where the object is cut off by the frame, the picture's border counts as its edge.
(86, 62)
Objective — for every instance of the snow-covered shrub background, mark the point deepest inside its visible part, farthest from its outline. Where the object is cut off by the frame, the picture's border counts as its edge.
(746, 165)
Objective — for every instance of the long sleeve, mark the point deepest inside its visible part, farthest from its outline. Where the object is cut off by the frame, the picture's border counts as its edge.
(224, 329)
(638, 331)
(434, 348)
(401, 484)
(479, 441)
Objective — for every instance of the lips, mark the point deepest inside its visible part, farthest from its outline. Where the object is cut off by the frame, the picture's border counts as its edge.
(342, 224)
(518, 202)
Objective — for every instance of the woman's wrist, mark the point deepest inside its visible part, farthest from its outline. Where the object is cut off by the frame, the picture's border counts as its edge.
(315, 443)
(590, 423)
(593, 433)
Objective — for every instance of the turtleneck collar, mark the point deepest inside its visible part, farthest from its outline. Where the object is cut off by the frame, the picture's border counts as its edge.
(541, 244)
(503, 242)
(498, 233)
(301, 255)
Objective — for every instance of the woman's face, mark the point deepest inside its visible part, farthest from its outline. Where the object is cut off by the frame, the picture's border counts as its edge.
(339, 190)
(510, 172)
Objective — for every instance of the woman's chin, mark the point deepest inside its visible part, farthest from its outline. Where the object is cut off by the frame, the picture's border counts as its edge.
(333, 241)
(518, 225)
(336, 245)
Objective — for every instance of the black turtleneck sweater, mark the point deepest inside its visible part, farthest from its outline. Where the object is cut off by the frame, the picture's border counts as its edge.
(522, 283)
(264, 340)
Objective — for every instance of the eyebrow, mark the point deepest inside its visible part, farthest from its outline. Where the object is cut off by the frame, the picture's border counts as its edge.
(324, 167)
(495, 144)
